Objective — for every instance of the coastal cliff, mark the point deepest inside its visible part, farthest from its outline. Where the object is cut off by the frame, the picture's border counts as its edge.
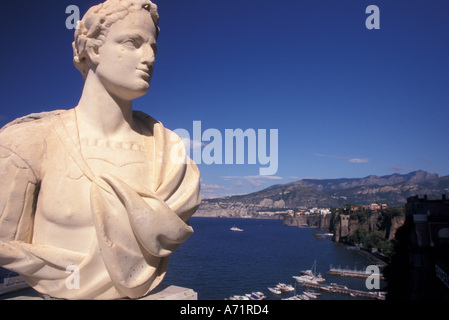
(374, 230)
(350, 224)
(322, 222)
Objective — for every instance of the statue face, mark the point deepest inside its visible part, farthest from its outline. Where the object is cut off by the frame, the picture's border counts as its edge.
(125, 61)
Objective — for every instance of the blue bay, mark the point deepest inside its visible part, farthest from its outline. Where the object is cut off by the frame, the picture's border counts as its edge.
(218, 263)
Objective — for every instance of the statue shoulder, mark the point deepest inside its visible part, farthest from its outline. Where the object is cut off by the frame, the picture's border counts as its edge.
(25, 137)
(31, 118)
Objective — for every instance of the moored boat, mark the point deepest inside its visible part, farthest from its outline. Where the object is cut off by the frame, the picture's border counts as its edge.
(284, 287)
(256, 296)
(274, 290)
(309, 295)
(313, 292)
(237, 297)
(310, 275)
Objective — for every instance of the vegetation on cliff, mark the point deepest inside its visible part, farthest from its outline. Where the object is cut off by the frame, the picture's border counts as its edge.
(373, 230)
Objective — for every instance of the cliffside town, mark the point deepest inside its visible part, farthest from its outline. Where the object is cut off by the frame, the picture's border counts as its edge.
(366, 211)
(323, 194)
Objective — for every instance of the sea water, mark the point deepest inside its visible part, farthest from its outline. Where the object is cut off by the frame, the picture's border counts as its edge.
(218, 263)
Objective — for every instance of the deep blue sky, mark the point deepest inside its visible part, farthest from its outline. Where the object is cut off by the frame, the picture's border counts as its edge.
(347, 101)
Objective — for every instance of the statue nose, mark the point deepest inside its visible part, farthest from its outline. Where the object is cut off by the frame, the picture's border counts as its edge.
(149, 55)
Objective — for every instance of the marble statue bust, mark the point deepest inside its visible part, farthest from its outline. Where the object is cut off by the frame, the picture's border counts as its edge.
(95, 187)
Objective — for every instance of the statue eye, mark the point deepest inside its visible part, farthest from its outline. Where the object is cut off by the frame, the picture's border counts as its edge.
(135, 43)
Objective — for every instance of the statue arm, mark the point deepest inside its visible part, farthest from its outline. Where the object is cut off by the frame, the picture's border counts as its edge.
(17, 207)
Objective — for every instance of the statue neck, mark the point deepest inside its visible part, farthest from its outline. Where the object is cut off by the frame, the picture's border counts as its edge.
(101, 114)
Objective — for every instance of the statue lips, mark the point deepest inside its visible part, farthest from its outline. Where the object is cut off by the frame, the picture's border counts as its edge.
(147, 72)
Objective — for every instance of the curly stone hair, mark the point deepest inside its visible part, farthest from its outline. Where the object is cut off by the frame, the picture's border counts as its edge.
(94, 27)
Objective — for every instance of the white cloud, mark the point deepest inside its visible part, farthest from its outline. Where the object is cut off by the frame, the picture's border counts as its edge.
(256, 183)
(362, 160)
(329, 156)
(213, 187)
(239, 183)
(264, 177)
(213, 190)
(351, 160)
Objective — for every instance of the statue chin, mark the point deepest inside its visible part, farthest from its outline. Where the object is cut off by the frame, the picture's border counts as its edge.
(129, 94)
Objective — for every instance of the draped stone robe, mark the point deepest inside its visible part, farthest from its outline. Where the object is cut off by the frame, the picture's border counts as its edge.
(112, 209)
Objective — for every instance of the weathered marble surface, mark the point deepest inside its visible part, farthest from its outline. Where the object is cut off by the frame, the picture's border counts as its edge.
(96, 198)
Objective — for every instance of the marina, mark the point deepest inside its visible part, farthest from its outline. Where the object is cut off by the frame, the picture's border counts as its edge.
(249, 296)
(308, 280)
(311, 280)
(353, 273)
(335, 288)
(218, 263)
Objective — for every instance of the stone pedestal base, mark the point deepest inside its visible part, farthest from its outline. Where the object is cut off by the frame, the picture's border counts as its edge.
(162, 292)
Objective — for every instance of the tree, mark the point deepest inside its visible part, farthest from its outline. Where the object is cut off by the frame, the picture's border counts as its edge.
(360, 235)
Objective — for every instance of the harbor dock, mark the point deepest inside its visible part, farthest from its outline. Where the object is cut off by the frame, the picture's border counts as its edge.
(352, 273)
(335, 288)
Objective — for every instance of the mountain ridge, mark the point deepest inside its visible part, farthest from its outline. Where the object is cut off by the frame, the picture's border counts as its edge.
(304, 194)
(344, 183)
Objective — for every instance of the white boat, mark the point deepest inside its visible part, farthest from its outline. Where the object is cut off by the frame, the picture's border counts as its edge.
(307, 272)
(284, 287)
(309, 295)
(309, 279)
(260, 295)
(297, 297)
(311, 271)
(319, 278)
(310, 275)
(315, 293)
(234, 228)
(256, 296)
(274, 290)
(237, 297)
(301, 279)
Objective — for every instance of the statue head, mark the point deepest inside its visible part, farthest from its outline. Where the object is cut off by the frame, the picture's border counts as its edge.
(96, 23)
